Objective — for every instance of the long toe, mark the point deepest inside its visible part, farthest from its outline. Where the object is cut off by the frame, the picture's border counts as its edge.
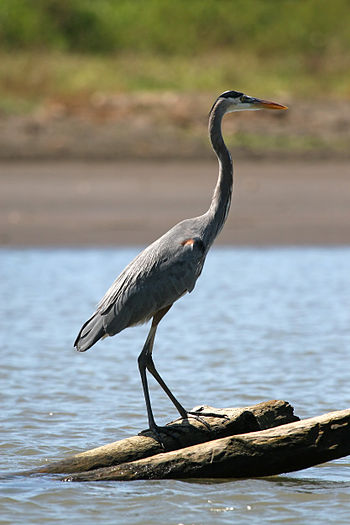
(197, 417)
(203, 413)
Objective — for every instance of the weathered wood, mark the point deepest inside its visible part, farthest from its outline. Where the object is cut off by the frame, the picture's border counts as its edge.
(183, 433)
(285, 448)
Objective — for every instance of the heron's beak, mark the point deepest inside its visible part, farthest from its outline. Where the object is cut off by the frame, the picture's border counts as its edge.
(267, 104)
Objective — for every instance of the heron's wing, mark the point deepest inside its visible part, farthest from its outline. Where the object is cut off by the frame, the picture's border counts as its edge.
(122, 283)
(156, 278)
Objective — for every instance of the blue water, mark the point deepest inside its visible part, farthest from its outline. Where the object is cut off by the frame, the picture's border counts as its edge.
(261, 324)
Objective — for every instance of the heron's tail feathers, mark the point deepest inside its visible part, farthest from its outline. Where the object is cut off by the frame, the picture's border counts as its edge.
(90, 333)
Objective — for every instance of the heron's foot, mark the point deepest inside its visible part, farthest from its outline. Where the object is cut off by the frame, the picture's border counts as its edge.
(156, 433)
(192, 415)
(201, 411)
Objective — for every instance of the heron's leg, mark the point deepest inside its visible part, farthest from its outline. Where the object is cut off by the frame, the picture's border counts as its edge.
(184, 414)
(152, 369)
(142, 361)
(146, 362)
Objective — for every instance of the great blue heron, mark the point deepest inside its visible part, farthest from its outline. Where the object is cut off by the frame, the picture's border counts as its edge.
(168, 268)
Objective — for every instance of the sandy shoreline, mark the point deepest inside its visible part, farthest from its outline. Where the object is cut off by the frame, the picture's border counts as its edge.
(123, 203)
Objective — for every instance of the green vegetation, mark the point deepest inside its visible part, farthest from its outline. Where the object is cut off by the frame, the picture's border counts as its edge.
(67, 48)
(182, 27)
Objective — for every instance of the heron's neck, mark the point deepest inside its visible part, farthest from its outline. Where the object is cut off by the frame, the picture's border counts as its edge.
(220, 203)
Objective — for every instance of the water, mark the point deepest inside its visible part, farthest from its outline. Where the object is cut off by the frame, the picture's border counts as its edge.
(261, 324)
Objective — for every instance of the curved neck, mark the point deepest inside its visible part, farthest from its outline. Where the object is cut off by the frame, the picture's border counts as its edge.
(221, 200)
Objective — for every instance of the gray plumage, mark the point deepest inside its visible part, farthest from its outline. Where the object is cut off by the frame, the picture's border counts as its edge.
(170, 266)
(155, 279)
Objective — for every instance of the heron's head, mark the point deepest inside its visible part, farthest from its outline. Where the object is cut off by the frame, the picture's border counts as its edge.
(236, 101)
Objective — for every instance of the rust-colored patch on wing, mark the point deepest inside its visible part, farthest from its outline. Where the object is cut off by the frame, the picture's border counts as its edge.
(188, 242)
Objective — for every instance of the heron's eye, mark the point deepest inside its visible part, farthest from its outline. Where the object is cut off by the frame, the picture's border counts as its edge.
(244, 98)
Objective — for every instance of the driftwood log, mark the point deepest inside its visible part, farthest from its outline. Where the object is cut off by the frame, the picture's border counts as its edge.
(261, 440)
(182, 434)
(277, 450)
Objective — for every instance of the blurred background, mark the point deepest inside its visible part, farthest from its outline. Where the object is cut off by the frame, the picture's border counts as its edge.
(123, 81)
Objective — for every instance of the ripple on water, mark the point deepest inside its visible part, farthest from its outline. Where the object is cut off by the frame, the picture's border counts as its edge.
(261, 324)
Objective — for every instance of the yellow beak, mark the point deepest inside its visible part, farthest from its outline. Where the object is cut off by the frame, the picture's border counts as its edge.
(267, 104)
